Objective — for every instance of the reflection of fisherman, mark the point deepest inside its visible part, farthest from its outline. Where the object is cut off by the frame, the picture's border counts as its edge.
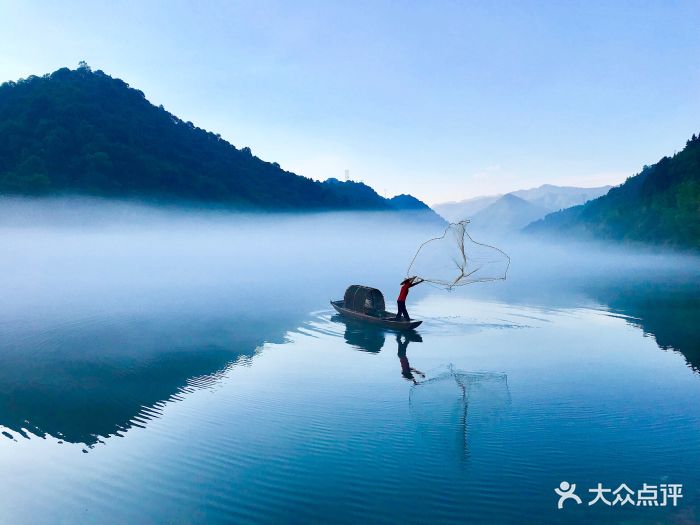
(406, 370)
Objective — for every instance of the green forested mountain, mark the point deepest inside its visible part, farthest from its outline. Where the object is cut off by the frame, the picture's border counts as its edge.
(84, 132)
(660, 205)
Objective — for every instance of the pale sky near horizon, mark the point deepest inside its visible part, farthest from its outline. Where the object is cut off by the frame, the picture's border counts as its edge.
(443, 100)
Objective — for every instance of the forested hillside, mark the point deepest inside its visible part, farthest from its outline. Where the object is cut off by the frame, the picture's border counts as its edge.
(660, 205)
(84, 132)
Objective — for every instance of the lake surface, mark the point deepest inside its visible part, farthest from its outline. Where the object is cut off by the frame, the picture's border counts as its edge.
(190, 370)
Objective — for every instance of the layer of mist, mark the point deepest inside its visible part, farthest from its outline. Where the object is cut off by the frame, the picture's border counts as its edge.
(64, 256)
(142, 301)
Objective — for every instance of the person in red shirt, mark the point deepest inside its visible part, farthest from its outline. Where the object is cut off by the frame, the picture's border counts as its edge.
(407, 283)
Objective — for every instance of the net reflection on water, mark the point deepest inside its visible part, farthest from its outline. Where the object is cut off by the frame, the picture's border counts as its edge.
(466, 402)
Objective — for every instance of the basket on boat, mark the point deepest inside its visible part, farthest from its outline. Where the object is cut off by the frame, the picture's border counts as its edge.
(364, 299)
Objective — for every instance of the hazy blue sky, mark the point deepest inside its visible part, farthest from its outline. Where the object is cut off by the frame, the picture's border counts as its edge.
(444, 100)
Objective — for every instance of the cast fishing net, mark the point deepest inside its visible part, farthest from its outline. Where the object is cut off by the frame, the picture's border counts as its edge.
(455, 259)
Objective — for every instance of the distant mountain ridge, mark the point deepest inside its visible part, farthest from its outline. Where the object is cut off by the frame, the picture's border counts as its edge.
(554, 198)
(83, 132)
(659, 205)
(458, 210)
(509, 213)
(515, 210)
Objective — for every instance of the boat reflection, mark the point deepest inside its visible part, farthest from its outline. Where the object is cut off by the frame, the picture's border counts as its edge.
(369, 338)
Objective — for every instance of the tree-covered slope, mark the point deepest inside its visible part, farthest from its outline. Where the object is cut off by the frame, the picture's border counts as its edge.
(660, 205)
(84, 132)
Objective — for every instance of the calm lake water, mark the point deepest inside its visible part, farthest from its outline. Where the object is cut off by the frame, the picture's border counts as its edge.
(190, 370)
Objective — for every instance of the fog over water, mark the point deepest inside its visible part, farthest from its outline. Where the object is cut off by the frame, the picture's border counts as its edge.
(74, 250)
(183, 364)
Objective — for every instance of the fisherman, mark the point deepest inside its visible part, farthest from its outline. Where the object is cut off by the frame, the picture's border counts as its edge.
(407, 283)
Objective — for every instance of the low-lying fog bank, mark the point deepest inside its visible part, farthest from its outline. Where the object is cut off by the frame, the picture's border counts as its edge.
(62, 253)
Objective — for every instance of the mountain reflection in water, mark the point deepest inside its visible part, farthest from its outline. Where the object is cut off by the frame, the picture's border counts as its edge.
(89, 379)
(667, 312)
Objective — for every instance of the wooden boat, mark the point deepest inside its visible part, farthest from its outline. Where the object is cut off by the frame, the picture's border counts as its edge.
(387, 319)
(366, 304)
